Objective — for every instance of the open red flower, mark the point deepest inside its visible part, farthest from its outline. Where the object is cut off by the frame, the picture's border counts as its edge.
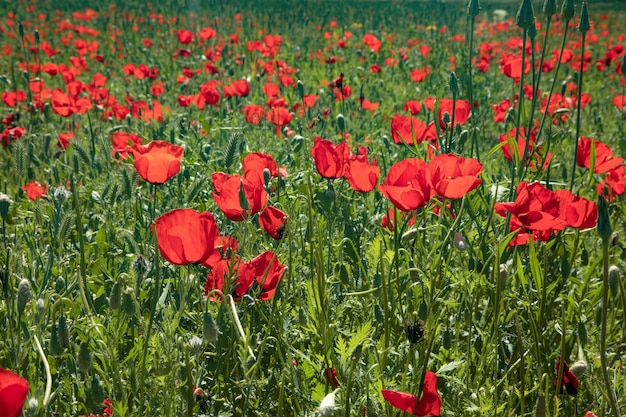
(35, 190)
(229, 197)
(407, 185)
(185, 36)
(273, 221)
(604, 158)
(122, 143)
(454, 176)
(13, 392)
(462, 110)
(569, 381)
(255, 163)
(186, 236)
(254, 113)
(428, 405)
(279, 116)
(533, 157)
(409, 129)
(361, 175)
(267, 273)
(330, 159)
(158, 161)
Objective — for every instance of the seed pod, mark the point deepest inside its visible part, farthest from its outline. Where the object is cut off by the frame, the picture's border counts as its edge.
(210, 330)
(23, 295)
(84, 357)
(64, 332)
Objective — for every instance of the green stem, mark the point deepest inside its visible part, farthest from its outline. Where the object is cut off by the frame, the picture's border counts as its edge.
(578, 95)
(605, 301)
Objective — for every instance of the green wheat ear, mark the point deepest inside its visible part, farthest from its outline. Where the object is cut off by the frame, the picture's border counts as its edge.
(231, 150)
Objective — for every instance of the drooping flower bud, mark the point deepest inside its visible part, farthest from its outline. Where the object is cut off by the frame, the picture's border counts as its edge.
(300, 85)
(582, 333)
(578, 368)
(567, 10)
(549, 7)
(525, 15)
(613, 278)
(473, 8)
(210, 331)
(583, 24)
(115, 297)
(540, 406)
(459, 241)
(454, 84)
(84, 357)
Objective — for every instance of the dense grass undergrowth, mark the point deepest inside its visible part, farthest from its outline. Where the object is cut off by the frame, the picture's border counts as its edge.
(309, 209)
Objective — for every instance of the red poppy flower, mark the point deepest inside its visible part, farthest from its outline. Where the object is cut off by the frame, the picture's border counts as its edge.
(158, 161)
(409, 129)
(207, 33)
(462, 110)
(122, 143)
(361, 175)
(511, 66)
(254, 113)
(35, 190)
(329, 159)
(255, 163)
(267, 273)
(454, 176)
(185, 36)
(64, 139)
(388, 220)
(225, 247)
(279, 116)
(372, 41)
(11, 98)
(413, 107)
(13, 392)
(407, 185)
(331, 377)
(428, 405)
(186, 236)
(273, 221)
(569, 381)
(534, 158)
(614, 183)
(210, 93)
(619, 101)
(604, 159)
(228, 195)
(577, 212)
(11, 134)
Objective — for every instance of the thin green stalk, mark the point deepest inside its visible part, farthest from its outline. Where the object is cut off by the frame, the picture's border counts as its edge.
(578, 106)
(605, 302)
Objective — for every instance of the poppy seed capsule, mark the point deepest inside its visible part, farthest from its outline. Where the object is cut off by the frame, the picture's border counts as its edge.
(23, 295)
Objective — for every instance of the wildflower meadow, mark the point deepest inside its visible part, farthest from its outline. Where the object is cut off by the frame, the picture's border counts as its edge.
(312, 208)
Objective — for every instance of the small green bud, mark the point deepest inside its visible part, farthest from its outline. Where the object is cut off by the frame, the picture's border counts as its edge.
(584, 257)
(115, 297)
(604, 224)
(64, 332)
(302, 319)
(567, 10)
(5, 203)
(84, 357)
(422, 313)
(532, 31)
(267, 176)
(549, 7)
(409, 235)
(55, 344)
(210, 330)
(540, 406)
(341, 122)
(623, 67)
(578, 368)
(59, 285)
(37, 36)
(503, 275)
(300, 85)
(473, 8)
(447, 339)
(446, 118)
(454, 84)
(24, 295)
(525, 15)
(614, 279)
(128, 302)
(583, 24)
(20, 29)
(243, 199)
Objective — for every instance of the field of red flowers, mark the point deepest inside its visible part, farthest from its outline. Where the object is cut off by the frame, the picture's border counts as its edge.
(312, 209)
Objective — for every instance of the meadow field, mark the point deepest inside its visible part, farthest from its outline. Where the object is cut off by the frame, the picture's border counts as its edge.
(312, 208)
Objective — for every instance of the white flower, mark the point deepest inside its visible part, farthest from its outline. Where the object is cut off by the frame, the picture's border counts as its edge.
(327, 406)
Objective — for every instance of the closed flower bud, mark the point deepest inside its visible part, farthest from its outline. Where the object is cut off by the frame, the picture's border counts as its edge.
(243, 199)
(503, 275)
(23, 295)
(613, 278)
(267, 176)
(55, 344)
(59, 285)
(454, 83)
(300, 85)
(37, 36)
(549, 7)
(578, 368)
(459, 241)
(567, 10)
(128, 302)
(84, 357)
(210, 331)
(341, 122)
(64, 332)
(583, 24)
(532, 30)
(422, 313)
(604, 224)
(473, 8)
(5, 203)
(582, 333)
(40, 305)
(327, 406)
(115, 298)
(446, 118)
(33, 405)
(525, 15)
(409, 235)
(20, 29)
(140, 265)
(623, 67)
